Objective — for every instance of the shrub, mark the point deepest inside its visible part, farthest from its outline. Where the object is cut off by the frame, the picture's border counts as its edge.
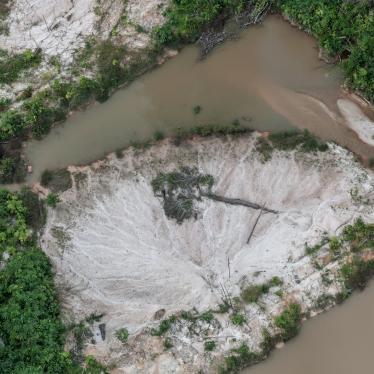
(38, 116)
(252, 293)
(268, 342)
(240, 358)
(168, 343)
(302, 140)
(52, 200)
(11, 65)
(4, 103)
(46, 178)
(11, 124)
(122, 335)
(207, 316)
(238, 319)
(158, 135)
(209, 345)
(57, 180)
(357, 272)
(164, 326)
(289, 321)
(35, 214)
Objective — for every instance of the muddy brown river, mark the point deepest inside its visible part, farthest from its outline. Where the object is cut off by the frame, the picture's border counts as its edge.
(269, 79)
(339, 341)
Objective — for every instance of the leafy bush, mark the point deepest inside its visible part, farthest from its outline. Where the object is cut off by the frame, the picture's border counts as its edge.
(122, 334)
(289, 321)
(158, 135)
(357, 272)
(11, 65)
(178, 190)
(52, 200)
(11, 124)
(302, 140)
(35, 213)
(238, 319)
(164, 326)
(185, 19)
(253, 292)
(4, 103)
(209, 345)
(239, 359)
(207, 316)
(57, 180)
(168, 343)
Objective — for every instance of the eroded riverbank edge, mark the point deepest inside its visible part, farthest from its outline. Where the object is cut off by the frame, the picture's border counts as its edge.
(329, 188)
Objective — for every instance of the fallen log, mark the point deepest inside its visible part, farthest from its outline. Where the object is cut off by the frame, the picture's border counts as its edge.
(241, 202)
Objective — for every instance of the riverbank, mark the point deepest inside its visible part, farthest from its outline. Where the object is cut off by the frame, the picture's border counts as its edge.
(92, 75)
(295, 91)
(115, 252)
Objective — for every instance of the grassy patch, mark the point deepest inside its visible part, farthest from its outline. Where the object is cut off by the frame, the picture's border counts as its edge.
(238, 319)
(52, 200)
(122, 335)
(164, 326)
(302, 141)
(357, 272)
(12, 65)
(209, 346)
(289, 321)
(252, 293)
(186, 19)
(56, 180)
(239, 359)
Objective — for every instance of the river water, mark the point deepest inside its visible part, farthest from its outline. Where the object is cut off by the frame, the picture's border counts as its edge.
(339, 341)
(270, 78)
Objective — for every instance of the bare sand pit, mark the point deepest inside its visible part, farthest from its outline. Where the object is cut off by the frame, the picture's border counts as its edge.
(115, 252)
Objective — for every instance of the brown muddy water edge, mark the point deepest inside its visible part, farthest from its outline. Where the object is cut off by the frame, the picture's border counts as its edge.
(338, 341)
(270, 79)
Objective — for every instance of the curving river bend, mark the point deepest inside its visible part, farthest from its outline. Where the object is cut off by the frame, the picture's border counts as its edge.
(269, 79)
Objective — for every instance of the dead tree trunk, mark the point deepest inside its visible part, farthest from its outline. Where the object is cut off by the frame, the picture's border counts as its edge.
(228, 200)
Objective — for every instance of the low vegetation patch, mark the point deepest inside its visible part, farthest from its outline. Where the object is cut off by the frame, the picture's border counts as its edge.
(56, 180)
(12, 64)
(239, 359)
(289, 321)
(122, 335)
(164, 326)
(253, 292)
(356, 272)
(302, 141)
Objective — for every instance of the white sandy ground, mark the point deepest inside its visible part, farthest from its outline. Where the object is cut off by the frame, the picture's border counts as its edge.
(357, 120)
(59, 27)
(115, 252)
